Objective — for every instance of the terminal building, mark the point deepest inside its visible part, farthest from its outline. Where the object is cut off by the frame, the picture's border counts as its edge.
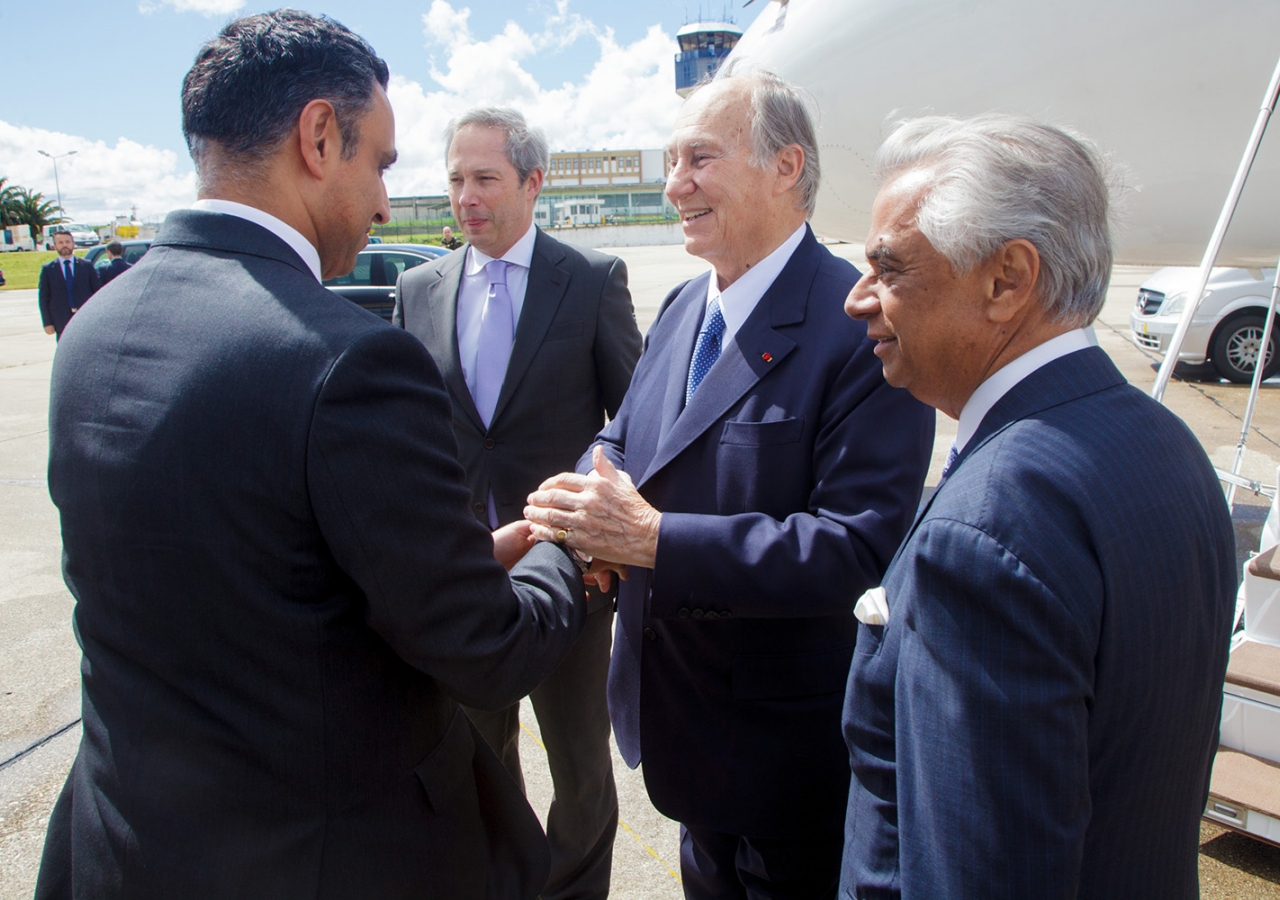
(589, 187)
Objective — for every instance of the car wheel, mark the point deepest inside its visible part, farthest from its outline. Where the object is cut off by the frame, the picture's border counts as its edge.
(1236, 346)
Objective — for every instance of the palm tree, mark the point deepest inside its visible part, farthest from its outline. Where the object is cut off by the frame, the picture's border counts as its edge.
(7, 192)
(31, 209)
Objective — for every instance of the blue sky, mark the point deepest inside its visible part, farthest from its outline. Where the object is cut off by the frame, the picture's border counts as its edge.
(104, 80)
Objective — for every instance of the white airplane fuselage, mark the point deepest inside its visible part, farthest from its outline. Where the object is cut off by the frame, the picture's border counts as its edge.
(1169, 89)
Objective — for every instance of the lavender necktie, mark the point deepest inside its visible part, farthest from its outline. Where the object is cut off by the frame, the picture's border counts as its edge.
(497, 332)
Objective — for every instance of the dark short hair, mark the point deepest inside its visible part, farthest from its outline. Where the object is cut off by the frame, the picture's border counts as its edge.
(115, 248)
(249, 84)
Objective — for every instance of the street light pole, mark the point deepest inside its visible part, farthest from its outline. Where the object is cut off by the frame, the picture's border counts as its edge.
(56, 186)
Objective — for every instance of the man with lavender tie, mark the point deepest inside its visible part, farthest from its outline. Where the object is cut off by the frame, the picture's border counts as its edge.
(536, 341)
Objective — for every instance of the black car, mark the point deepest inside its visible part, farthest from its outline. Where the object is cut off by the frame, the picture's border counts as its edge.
(133, 251)
(372, 283)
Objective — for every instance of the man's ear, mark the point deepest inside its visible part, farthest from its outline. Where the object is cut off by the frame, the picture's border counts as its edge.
(533, 184)
(1013, 272)
(319, 138)
(789, 164)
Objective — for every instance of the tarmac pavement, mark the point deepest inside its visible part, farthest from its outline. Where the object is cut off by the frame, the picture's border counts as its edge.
(39, 660)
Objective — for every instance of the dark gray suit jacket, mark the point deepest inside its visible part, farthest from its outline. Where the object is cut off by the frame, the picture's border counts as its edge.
(1039, 716)
(281, 593)
(575, 348)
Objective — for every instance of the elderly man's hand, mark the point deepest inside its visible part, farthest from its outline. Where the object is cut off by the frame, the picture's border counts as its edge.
(511, 542)
(601, 514)
(601, 573)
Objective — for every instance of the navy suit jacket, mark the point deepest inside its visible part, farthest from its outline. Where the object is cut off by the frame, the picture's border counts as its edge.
(784, 486)
(116, 267)
(1039, 715)
(576, 345)
(56, 304)
(281, 594)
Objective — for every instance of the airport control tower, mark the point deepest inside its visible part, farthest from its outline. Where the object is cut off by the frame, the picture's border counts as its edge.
(703, 47)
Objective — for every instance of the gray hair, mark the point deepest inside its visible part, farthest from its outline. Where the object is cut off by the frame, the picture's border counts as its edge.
(526, 148)
(998, 178)
(780, 117)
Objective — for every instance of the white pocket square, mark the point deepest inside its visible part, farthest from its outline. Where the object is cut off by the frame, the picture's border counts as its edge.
(872, 607)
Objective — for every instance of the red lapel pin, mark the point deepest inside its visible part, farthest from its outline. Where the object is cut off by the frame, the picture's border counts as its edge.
(767, 357)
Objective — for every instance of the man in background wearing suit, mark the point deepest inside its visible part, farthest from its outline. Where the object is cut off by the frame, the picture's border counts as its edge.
(281, 591)
(756, 480)
(1033, 707)
(534, 357)
(65, 284)
(117, 266)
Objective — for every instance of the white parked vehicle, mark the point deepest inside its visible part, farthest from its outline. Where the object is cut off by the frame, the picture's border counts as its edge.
(16, 238)
(1227, 328)
(83, 235)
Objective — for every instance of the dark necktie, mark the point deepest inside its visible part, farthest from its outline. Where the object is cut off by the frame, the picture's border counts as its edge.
(952, 454)
(71, 278)
(707, 350)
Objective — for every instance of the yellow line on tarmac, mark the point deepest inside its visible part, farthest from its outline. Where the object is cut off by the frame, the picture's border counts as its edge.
(654, 853)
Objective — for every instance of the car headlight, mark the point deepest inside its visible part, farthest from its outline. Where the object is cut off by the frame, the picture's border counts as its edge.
(1173, 305)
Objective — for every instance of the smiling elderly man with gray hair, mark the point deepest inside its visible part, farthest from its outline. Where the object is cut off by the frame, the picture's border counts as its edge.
(1033, 706)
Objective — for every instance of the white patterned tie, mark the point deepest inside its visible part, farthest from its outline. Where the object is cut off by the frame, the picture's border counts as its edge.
(707, 350)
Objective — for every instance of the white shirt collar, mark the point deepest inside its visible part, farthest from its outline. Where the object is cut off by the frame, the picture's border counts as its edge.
(278, 227)
(739, 299)
(518, 254)
(1006, 378)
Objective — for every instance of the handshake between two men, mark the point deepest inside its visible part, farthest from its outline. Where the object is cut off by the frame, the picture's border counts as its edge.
(599, 515)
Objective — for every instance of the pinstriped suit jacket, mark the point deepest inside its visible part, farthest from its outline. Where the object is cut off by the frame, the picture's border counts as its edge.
(1039, 715)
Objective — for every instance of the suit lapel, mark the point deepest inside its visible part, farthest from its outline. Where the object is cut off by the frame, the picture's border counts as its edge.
(545, 289)
(1065, 379)
(754, 352)
(441, 335)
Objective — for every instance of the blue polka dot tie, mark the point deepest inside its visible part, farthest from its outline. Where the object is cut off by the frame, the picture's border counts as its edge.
(707, 350)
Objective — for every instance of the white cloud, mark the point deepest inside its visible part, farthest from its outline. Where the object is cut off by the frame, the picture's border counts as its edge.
(100, 181)
(626, 101)
(203, 7)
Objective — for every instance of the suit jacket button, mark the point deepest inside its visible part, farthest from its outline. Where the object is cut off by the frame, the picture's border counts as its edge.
(683, 612)
(490, 443)
(724, 613)
(651, 634)
(478, 507)
(698, 614)
(712, 615)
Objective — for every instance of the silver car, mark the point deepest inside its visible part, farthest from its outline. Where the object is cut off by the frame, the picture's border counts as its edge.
(1227, 328)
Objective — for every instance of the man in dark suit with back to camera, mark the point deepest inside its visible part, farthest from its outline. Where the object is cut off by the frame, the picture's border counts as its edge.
(117, 265)
(774, 474)
(1033, 708)
(536, 341)
(66, 284)
(281, 591)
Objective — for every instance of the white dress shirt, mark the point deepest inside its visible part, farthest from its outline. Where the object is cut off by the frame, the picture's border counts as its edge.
(1008, 377)
(279, 228)
(475, 289)
(739, 299)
